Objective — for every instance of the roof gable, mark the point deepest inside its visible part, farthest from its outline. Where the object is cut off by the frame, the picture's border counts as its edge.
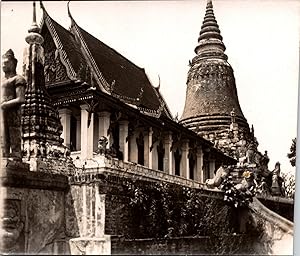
(88, 59)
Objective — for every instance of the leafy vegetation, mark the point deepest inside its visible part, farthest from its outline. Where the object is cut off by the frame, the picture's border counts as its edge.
(164, 210)
(292, 154)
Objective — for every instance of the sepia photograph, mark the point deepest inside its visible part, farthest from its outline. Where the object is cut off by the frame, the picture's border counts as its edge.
(149, 127)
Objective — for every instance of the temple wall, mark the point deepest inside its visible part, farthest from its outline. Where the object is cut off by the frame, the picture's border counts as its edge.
(41, 212)
(109, 213)
(179, 245)
(281, 205)
(276, 232)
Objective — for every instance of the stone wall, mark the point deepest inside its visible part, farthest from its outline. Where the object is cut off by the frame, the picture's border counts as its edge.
(182, 245)
(282, 206)
(55, 215)
(35, 203)
(236, 244)
(140, 209)
(118, 217)
(137, 208)
(85, 211)
(152, 214)
(276, 232)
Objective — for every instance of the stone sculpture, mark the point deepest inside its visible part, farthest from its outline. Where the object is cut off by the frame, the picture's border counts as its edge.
(13, 95)
(102, 144)
(216, 181)
(247, 183)
(12, 228)
(277, 182)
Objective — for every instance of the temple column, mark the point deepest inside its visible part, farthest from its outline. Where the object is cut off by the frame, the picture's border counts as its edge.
(65, 119)
(133, 154)
(78, 133)
(199, 165)
(168, 153)
(87, 134)
(123, 134)
(212, 167)
(146, 148)
(154, 156)
(104, 123)
(184, 163)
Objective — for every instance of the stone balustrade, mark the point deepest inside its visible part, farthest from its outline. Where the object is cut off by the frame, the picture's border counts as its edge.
(102, 164)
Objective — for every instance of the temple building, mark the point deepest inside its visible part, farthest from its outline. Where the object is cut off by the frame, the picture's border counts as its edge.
(107, 170)
(98, 92)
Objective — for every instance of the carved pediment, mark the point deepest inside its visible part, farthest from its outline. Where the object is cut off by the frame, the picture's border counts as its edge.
(54, 69)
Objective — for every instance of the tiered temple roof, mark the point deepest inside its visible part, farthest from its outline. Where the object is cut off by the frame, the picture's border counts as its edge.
(87, 59)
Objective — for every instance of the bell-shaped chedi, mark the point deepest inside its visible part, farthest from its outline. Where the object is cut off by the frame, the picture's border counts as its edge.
(211, 93)
(212, 108)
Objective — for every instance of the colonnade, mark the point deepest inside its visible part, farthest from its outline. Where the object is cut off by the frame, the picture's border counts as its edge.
(87, 135)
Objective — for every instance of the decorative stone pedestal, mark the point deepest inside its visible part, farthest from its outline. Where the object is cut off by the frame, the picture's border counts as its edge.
(32, 213)
(96, 162)
(90, 246)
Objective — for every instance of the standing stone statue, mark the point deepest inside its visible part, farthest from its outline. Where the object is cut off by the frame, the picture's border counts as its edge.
(12, 96)
(277, 182)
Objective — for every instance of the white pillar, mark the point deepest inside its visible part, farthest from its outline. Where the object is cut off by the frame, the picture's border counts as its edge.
(87, 134)
(78, 133)
(133, 154)
(212, 166)
(146, 148)
(199, 165)
(168, 153)
(65, 119)
(154, 156)
(104, 123)
(123, 133)
(184, 164)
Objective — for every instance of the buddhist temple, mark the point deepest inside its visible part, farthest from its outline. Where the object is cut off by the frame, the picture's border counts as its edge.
(106, 169)
(100, 93)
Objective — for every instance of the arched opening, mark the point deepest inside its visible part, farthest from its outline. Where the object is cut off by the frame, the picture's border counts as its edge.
(73, 131)
(177, 158)
(192, 163)
(140, 147)
(115, 146)
(205, 166)
(160, 156)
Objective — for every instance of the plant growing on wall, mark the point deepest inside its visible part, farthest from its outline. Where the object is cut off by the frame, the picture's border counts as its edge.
(169, 210)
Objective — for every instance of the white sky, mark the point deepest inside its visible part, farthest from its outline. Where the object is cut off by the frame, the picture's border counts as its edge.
(261, 37)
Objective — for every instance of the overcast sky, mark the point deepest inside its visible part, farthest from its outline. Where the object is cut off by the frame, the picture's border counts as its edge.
(261, 37)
